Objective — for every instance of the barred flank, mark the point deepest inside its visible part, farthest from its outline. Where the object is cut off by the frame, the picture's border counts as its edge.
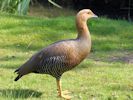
(54, 66)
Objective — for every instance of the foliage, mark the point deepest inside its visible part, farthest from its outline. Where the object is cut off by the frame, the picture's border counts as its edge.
(18, 6)
(23, 7)
(14, 6)
(55, 4)
(9, 5)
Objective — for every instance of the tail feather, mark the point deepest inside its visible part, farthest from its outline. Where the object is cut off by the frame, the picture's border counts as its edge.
(23, 69)
(18, 77)
(16, 71)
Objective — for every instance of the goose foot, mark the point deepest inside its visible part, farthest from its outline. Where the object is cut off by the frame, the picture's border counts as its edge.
(65, 95)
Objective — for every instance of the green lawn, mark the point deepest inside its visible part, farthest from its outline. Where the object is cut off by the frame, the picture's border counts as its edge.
(98, 77)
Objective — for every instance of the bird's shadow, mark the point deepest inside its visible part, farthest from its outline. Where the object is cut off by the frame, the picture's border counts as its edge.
(20, 93)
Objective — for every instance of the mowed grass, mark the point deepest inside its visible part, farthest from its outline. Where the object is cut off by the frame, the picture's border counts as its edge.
(22, 36)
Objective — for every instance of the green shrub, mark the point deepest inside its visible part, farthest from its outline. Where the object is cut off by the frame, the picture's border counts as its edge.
(15, 6)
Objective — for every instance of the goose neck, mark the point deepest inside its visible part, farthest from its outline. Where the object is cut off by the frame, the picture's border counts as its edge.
(83, 31)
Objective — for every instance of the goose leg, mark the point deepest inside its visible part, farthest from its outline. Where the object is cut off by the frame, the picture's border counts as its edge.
(62, 94)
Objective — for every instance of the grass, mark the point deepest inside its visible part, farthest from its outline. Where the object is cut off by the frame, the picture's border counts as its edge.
(95, 78)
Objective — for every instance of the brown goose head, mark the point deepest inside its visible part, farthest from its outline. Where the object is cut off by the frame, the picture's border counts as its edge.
(85, 14)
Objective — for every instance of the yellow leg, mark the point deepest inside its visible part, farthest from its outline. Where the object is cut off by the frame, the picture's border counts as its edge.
(58, 88)
(62, 94)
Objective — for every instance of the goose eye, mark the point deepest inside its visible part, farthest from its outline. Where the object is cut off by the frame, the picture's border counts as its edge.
(88, 12)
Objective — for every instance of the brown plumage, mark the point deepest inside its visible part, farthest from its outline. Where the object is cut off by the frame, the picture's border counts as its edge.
(61, 56)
